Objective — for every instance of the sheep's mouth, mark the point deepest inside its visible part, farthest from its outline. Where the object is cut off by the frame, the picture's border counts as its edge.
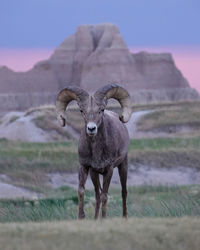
(91, 134)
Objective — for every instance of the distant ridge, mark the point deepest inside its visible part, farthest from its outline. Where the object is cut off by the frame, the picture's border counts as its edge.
(92, 57)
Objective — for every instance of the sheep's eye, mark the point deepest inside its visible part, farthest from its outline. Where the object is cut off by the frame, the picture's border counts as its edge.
(81, 110)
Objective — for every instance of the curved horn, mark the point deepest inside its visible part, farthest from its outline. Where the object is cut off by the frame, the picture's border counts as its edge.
(118, 93)
(67, 95)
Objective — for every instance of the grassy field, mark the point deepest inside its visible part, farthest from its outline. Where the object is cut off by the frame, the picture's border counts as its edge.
(166, 152)
(134, 233)
(27, 163)
(172, 118)
(156, 214)
(144, 201)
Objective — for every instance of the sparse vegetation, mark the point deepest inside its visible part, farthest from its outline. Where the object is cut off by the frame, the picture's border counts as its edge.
(48, 123)
(172, 118)
(166, 158)
(166, 152)
(144, 201)
(27, 163)
(13, 118)
(44, 108)
(47, 120)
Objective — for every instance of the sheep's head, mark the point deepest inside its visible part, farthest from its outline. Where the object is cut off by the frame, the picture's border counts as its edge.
(92, 107)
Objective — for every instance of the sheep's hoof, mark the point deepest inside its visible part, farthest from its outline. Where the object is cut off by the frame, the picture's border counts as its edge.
(81, 216)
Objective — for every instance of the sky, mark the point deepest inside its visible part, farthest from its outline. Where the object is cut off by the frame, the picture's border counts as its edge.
(32, 29)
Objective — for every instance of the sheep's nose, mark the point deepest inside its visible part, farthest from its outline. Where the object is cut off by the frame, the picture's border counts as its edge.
(91, 128)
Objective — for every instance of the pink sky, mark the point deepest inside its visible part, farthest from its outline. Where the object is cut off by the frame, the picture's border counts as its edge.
(186, 59)
(23, 59)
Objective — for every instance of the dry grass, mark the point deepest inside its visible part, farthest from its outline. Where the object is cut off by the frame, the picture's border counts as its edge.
(47, 119)
(49, 123)
(27, 163)
(165, 152)
(13, 118)
(169, 158)
(48, 108)
(134, 233)
(172, 118)
(169, 116)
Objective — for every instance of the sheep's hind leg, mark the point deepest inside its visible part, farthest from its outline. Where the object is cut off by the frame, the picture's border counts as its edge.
(104, 195)
(123, 169)
(96, 182)
(83, 173)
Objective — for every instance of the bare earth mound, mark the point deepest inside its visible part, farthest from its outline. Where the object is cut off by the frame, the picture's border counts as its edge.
(35, 125)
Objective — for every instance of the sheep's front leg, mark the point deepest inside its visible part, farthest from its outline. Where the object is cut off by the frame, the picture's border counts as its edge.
(96, 182)
(104, 195)
(83, 173)
(123, 169)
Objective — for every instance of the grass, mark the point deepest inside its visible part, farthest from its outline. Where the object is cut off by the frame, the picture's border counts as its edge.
(47, 119)
(165, 143)
(166, 158)
(171, 118)
(144, 201)
(13, 118)
(140, 234)
(156, 214)
(39, 154)
(165, 152)
(49, 123)
(27, 163)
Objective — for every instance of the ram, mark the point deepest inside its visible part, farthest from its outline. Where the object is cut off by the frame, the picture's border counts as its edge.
(103, 143)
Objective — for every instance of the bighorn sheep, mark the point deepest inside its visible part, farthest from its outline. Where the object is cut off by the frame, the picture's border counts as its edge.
(103, 143)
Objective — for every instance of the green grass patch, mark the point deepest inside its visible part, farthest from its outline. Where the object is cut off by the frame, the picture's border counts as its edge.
(27, 163)
(165, 152)
(144, 201)
(38, 155)
(165, 143)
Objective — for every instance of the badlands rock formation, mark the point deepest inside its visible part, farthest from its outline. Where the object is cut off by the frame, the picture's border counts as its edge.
(90, 58)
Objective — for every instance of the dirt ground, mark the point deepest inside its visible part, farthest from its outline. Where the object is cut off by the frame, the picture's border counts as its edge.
(137, 176)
